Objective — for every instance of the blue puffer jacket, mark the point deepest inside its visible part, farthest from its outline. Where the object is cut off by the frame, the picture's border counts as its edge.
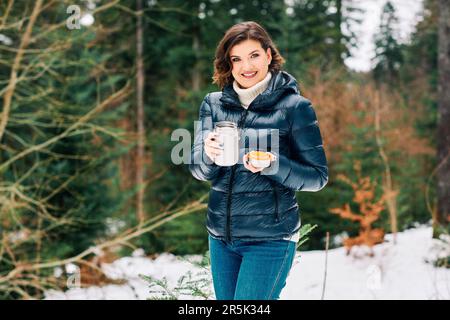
(261, 206)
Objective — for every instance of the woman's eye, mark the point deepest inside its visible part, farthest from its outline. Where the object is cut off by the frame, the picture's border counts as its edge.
(237, 59)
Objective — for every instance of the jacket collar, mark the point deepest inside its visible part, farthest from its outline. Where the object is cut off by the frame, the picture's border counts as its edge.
(279, 85)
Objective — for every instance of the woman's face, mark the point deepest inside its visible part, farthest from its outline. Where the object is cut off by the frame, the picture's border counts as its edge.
(249, 57)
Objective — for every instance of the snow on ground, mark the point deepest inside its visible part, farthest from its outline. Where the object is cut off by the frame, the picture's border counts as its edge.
(394, 272)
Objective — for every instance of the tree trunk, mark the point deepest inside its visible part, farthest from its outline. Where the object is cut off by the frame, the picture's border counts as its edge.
(391, 194)
(443, 129)
(196, 72)
(339, 45)
(140, 115)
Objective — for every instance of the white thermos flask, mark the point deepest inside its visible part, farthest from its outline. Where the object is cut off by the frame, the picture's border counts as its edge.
(228, 135)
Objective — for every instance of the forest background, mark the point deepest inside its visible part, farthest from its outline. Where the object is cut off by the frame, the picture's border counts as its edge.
(91, 92)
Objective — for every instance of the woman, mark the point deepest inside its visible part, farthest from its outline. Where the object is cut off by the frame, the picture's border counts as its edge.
(253, 216)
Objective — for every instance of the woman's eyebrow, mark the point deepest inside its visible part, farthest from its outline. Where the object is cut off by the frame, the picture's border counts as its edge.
(248, 54)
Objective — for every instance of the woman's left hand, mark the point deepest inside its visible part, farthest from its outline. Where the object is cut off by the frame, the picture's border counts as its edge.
(249, 166)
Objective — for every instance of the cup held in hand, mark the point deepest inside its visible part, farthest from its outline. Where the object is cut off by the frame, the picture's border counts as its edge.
(260, 159)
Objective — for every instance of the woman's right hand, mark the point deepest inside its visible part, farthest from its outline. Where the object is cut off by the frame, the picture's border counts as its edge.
(212, 146)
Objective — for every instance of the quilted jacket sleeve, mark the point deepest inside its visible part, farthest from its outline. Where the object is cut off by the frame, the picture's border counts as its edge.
(201, 167)
(306, 169)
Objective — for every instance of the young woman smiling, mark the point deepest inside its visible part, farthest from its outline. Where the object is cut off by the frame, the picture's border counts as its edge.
(253, 216)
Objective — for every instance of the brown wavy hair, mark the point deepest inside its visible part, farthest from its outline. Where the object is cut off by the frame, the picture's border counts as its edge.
(236, 34)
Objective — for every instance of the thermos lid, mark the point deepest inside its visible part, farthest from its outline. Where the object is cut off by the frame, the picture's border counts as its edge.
(226, 124)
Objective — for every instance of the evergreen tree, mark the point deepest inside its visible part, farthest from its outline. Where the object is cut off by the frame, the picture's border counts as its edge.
(443, 129)
(318, 36)
(419, 91)
(388, 54)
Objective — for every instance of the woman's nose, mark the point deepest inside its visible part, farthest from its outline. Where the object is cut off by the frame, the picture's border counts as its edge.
(247, 66)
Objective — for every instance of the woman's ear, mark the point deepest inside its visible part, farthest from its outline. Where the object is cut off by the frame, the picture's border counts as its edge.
(269, 55)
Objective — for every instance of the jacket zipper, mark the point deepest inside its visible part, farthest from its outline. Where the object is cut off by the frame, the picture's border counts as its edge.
(230, 183)
(275, 193)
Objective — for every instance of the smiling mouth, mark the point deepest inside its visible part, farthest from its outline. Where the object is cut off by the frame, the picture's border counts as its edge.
(249, 76)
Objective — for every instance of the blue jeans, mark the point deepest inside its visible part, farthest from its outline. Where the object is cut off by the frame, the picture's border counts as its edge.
(250, 270)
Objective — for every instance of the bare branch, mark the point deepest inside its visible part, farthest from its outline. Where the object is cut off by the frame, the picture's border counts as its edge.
(12, 83)
(119, 95)
(123, 238)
